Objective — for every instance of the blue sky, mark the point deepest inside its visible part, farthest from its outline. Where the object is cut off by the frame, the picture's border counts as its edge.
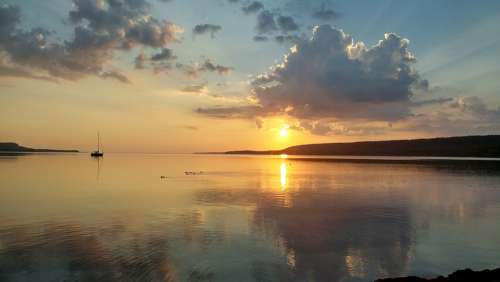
(212, 81)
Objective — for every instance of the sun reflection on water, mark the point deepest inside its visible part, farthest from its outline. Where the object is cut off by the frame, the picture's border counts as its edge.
(283, 181)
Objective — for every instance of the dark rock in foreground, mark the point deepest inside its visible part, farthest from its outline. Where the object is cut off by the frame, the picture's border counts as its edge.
(457, 276)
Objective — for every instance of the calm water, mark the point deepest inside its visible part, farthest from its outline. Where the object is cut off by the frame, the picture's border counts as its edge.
(73, 218)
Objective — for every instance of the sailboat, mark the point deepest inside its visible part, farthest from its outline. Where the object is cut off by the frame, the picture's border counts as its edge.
(98, 153)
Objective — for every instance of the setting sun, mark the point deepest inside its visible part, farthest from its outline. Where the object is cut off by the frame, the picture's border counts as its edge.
(284, 131)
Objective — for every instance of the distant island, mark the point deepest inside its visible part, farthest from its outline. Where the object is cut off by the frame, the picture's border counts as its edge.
(487, 146)
(14, 147)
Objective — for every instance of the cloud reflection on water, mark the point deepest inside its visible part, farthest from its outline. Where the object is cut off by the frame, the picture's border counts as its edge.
(249, 220)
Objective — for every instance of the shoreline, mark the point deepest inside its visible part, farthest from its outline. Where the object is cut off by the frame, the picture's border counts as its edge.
(459, 275)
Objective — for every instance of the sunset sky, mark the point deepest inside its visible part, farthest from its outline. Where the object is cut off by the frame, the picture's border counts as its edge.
(179, 76)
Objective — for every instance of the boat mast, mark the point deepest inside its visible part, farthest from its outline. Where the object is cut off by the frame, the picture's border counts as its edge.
(98, 143)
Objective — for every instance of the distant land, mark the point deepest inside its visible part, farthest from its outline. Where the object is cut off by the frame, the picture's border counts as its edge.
(14, 147)
(487, 146)
(457, 276)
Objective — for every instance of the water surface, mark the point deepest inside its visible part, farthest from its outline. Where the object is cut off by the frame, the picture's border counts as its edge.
(67, 217)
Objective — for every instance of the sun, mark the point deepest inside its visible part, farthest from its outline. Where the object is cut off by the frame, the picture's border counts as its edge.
(284, 131)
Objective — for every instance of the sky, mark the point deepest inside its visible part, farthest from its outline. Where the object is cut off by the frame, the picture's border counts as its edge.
(172, 76)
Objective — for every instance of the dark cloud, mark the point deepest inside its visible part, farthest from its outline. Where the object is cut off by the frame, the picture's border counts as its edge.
(115, 75)
(274, 22)
(332, 77)
(260, 38)
(287, 38)
(126, 23)
(159, 62)
(287, 24)
(100, 29)
(104, 15)
(325, 14)
(206, 28)
(266, 22)
(10, 16)
(253, 7)
(428, 102)
(208, 65)
(164, 55)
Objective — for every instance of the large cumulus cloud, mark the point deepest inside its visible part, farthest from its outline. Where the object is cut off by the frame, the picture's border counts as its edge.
(101, 27)
(332, 77)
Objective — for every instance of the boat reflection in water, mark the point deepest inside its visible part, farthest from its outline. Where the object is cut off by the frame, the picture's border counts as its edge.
(244, 219)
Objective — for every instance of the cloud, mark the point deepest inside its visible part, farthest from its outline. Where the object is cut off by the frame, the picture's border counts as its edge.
(201, 29)
(9, 71)
(428, 102)
(468, 115)
(159, 62)
(115, 75)
(333, 127)
(139, 61)
(253, 7)
(197, 88)
(266, 22)
(273, 22)
(164, 55)
(194, 71)
(260, 38)
(231, 112)
(287, 38)
(209, 66)
(333, 77)
(476, 107)
(287, 24)
(325, 14)
(125, 23)
(100, 29)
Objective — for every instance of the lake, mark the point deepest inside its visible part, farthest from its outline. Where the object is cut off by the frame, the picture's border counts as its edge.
(140, 217)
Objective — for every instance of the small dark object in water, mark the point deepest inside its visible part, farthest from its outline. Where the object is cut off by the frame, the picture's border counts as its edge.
(457, 276)
(96, 154)
(163, 177)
